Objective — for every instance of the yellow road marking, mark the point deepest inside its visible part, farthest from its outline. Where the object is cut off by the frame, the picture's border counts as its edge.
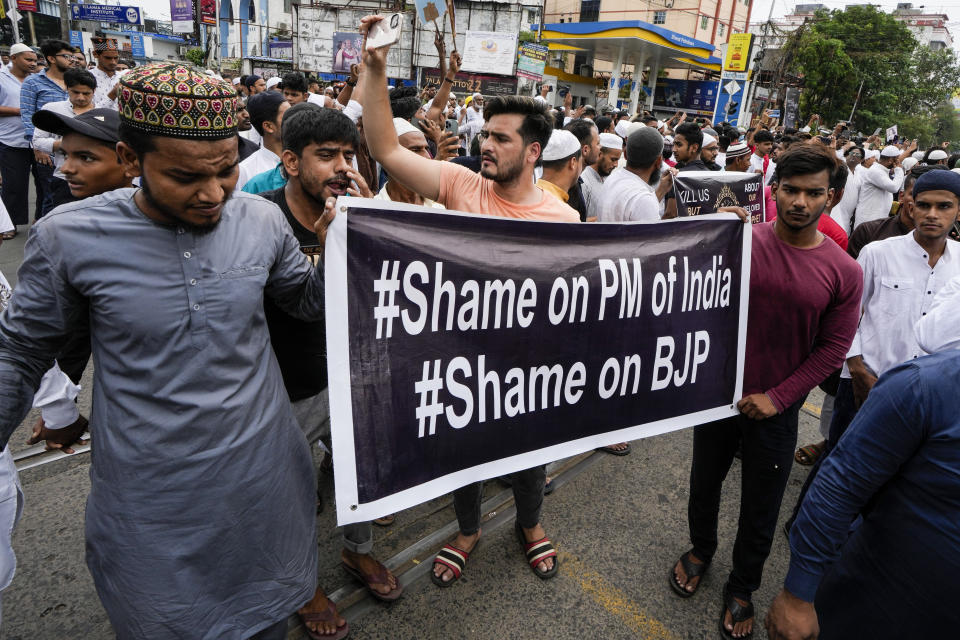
(614, 600)
(812, 409)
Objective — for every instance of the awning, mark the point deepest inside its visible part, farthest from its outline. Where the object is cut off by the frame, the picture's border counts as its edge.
(659, 47)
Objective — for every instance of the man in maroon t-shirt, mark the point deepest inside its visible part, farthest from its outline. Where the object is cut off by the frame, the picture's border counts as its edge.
(804, 308)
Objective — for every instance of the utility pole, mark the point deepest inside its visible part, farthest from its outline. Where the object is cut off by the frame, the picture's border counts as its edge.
(759, 66)
(64, 21)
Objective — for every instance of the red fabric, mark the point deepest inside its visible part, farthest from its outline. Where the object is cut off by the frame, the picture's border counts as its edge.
(804, 311)
(827, 225)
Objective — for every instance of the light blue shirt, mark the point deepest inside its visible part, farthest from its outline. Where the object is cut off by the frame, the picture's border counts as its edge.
(11, 127)
(36, 91)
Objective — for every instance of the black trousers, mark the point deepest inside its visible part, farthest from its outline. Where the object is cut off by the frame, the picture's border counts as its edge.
(844, 411)
(767, 454)
(16, 163)
(527, 493)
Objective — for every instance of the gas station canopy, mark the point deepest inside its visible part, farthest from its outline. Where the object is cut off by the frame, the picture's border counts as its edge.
(627, 41)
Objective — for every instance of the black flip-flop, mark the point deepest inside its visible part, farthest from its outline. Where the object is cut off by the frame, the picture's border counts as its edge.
(692, 569)
(738, 613)
(616, 452)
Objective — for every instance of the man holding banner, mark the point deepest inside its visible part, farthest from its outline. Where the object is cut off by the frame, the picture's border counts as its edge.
(804, 309)
(514, 135)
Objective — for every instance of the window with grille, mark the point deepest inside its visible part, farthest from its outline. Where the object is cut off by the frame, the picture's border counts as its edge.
(659, 17)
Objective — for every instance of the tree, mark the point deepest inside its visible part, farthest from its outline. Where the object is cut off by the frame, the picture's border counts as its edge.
(903, 82)
(196, 56)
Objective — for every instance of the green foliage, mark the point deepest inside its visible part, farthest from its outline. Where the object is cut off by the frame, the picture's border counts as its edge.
(527, 36)
(903, 83)
(196, 56)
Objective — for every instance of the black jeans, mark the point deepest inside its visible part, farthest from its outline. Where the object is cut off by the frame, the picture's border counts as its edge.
(43, 174)
(15, 166)
(844, 411)
(527, 493)
(767, 453)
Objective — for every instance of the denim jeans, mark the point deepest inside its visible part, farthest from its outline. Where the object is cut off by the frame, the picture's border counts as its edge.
(527, 493)
(767, 452)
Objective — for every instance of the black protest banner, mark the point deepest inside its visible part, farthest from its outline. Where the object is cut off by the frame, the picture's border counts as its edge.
(463, 347)
(702, 192)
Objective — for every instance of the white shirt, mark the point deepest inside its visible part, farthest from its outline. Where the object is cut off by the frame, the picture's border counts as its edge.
(756, 166)
(876, 193)
(843, 214)
(722, 159)
(591, 190)
(939, 330)
(261, 160)
(44, 140)
(626, 197)
(540, 99)
(384, 195)
(251, 135)
(105, 85)
(898, 290)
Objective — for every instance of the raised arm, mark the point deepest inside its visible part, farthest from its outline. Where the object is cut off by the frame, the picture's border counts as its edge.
(443, 93)
(420, 174)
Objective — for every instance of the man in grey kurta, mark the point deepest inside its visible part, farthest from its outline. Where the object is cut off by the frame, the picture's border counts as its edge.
(201, 517)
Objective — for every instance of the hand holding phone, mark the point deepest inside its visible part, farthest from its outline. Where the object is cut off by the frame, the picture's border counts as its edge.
(386, 32)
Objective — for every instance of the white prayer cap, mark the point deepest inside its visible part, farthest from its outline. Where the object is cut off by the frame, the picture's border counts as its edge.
(610, 141)
(402, 127)
(938, 154)
(236, 81)
(917, 155)
(19, 48)
(477, 95)
(660, 124)
(708, 140)
(635, 126)
(667, 139)
(562, 144)
(909, 163)
(274, 81)
(871, 153)
(890, 151)
(622, 128)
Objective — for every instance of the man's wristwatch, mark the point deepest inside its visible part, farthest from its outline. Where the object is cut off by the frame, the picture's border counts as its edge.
(351, 83)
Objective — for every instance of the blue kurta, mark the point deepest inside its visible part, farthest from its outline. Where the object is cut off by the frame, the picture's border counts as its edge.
(899, 465)
(201, 517)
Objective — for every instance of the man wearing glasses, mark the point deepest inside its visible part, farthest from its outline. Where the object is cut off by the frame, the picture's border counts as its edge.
(37, 90)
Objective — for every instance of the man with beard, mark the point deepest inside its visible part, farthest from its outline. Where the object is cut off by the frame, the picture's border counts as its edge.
(245, 147)
(16, 157)
(514, 135)
(709, 152)
(629, 193)
(38, 90)
(687, 143)
(588, 135)
(804, 307)
(318, 150)
(201, 516)
(611, 148)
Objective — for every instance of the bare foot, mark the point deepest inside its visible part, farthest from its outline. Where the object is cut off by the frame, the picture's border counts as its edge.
(532, 535)
(319, 605)
(620, 446)
(462, 542)
(368, 565)
(741, 629)
(681, 575)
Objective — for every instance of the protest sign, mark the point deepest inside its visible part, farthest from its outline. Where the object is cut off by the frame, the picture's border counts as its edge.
(702, 192)
(489, 52)
(531, 61)
(464, 347)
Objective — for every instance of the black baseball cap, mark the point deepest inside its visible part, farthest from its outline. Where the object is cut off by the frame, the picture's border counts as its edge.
(100, 124)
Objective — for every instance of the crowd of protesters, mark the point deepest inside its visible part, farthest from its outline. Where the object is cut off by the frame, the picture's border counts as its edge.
(181, 244)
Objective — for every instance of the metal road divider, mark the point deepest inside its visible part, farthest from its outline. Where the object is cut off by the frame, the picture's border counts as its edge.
(37, 455)
(416, 561)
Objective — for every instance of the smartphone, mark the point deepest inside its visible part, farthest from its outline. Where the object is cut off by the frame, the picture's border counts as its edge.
(452, 127)
(386, 32)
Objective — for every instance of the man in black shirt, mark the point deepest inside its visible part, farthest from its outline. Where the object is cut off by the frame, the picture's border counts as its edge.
(318, 149)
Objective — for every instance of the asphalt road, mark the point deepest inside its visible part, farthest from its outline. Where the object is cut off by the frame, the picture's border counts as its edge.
(619, 524)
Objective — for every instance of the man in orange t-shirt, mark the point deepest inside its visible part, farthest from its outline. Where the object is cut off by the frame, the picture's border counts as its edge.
(513, 137)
